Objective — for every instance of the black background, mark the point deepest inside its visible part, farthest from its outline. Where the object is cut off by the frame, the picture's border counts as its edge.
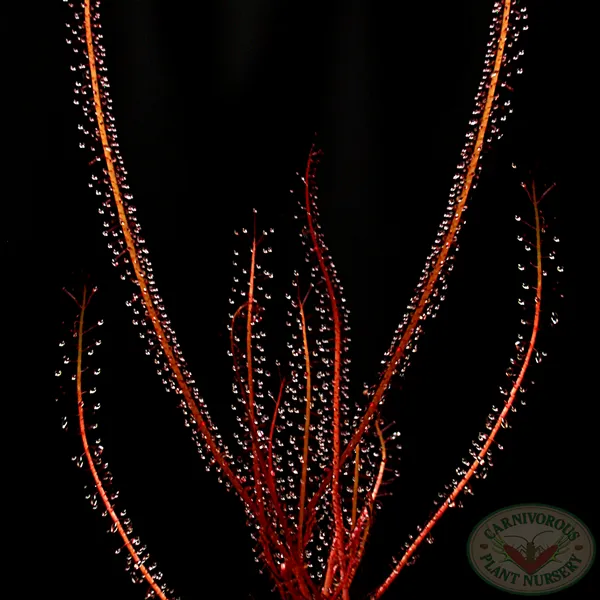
(216, 105)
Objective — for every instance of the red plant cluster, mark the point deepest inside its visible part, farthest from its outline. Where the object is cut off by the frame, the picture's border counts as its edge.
(311, 463)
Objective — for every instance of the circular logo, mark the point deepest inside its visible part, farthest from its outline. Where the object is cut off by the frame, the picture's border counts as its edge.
(531, 549)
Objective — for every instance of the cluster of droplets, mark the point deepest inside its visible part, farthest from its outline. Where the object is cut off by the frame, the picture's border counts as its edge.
(527, 301)
(551, 272)
(511, 65)
(85, 422)
(67, 370)
(431, 289)
(281, 434)
(254, 385)
(317, 286)
(109, 183)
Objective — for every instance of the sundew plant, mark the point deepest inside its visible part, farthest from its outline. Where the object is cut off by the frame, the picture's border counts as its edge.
(308, 460)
